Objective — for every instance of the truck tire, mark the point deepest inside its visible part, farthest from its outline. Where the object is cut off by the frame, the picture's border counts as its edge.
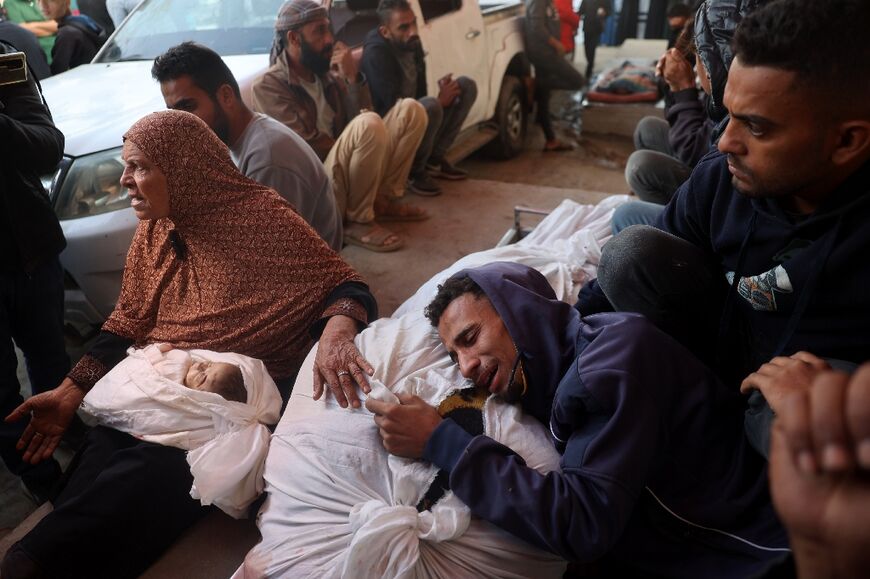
(511, 118)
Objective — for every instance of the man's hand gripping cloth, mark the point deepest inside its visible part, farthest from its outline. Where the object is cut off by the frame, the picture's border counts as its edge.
(340, 507)
(227, 441)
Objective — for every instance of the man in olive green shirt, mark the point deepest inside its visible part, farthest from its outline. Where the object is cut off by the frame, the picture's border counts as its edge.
(26, 13)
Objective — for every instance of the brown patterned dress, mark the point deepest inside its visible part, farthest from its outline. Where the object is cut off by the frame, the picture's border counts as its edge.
(233, 268)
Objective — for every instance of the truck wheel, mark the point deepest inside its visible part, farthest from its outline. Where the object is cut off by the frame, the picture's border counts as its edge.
(511, 116)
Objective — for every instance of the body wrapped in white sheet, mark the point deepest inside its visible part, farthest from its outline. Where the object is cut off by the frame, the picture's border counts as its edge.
(226, 441)
(339, 506)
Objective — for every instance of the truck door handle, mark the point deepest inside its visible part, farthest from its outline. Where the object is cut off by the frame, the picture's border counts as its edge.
(472, 34)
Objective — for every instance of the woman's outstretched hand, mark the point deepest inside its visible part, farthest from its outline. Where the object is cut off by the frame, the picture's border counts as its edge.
(50, 415)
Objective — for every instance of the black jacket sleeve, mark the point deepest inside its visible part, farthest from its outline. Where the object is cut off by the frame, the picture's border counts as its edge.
(29, 141)
(383, 73)
(691, 130)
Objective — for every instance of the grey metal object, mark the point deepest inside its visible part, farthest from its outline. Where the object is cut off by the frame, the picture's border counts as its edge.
(518, 231)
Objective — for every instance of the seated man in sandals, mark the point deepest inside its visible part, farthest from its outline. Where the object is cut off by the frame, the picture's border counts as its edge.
(193, 78)
(314, 87)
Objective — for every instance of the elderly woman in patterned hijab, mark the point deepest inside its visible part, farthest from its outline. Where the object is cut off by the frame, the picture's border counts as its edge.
(218, 262)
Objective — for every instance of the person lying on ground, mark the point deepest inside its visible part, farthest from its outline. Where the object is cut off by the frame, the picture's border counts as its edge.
(314, 87)
(654, 461)
(195, 79)
(394, 64)
(218, 262)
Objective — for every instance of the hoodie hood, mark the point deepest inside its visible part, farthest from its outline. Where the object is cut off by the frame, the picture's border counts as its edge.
(715, 23)
(87, 25)
(545, 330)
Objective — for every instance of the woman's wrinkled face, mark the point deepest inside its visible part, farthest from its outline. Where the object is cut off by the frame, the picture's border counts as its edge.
(149, 194)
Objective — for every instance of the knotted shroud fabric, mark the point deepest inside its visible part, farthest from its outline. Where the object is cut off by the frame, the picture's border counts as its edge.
(227, 442)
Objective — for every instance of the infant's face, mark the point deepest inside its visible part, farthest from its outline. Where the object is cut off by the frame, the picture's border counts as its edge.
(205, 375)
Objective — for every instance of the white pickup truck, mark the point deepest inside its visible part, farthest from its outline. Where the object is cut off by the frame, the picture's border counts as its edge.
(95, 104)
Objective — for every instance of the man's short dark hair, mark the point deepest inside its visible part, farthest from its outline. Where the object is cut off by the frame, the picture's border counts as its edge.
(386, 8)
(203, 65)
(823, 41)
(447, 292)
(679, 10)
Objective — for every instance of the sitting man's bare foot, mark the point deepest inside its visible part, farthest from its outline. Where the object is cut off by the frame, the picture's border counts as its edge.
(372, 236)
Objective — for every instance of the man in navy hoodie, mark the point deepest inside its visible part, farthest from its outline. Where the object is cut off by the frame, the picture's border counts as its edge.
(656, 476)
(761, 252)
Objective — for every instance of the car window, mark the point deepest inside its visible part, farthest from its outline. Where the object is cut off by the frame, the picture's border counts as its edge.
(227, 27)
(92, 186)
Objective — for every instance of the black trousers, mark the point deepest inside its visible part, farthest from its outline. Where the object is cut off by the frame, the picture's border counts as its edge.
(125, 503)
(31, 313)
(682, 290)
(552, 72)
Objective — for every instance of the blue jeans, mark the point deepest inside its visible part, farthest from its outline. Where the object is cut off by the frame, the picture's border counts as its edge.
(31, 314)
(635, 213)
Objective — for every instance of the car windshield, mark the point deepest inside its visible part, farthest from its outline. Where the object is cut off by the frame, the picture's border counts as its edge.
(227, 27)
(92, 186)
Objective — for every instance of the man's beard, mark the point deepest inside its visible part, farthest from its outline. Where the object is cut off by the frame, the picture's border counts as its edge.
(316, 62)
(410, 46)
(221, 125)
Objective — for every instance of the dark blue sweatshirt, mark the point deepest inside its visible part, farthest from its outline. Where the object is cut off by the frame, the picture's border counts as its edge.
(803, 285)
(654, 460)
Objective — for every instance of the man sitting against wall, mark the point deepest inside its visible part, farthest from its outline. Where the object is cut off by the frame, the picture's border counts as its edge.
(195, 79)
(315, 88)
(393, 61)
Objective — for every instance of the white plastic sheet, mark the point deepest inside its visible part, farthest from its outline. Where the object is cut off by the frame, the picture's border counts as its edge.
(340, 507)
(226, 441)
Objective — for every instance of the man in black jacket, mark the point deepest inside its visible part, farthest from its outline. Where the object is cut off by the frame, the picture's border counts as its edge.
(594, 14)
(393, 62)
(31, 277)
(79, 38)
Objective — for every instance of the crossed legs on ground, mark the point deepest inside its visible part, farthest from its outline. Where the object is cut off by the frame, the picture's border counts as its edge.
(369, 165)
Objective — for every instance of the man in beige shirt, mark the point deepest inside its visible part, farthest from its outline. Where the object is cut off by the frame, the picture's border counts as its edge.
(315, 88)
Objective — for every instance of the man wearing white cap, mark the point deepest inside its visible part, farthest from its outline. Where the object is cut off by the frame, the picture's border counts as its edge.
(315, 88)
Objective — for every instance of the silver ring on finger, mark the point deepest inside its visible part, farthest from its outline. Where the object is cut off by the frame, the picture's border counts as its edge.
(343, 373)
